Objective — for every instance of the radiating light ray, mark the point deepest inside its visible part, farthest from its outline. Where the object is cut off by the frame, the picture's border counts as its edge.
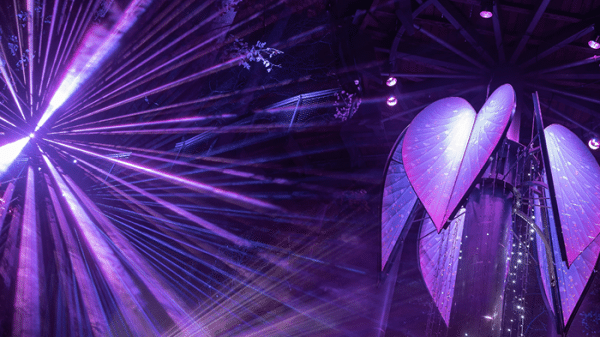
(169, 301)
(113, 271)
(83, 65)
(30, 35)
(176, 209)
(224, 170)
(9, 83)
(27, 312)
(194, 185)
(173, 84)
(48, 43)
(185, 104)
(257, 128)
(9, 152)
(177, 61)
(89, 293)
(152, 123)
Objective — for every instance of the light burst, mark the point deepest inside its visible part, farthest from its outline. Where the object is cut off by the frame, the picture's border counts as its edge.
(113, 222)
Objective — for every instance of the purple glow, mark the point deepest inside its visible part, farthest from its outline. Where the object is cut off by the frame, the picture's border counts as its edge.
(486, 14)
(10, 152)
(92, 55)
(594, 144)
(193, 185)
(392, 100)
(576, 177)
(594, 44)
(399, 200)
(27, 315)
(447, 146)
(571, 280)
(391, 81)
(438, 257)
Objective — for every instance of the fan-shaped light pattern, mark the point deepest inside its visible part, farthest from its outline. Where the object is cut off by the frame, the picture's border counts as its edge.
(572, 280)
(441, 136)
(438, 257)
(576, 177)
(99, 43)
(398, 202)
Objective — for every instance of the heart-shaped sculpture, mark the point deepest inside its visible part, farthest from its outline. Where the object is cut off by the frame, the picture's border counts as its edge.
(576, 177)
(447, 146)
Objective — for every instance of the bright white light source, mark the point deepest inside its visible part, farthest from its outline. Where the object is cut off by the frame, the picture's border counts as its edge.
(488, 317)
(594, 144)
(486, 14)
(10, 152)
(391, 81)
(391, 101)
(74, 161)
(594, 44)
(31, 135)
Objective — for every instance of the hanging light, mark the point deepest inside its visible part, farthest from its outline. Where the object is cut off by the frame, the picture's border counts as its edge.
(486, 9)
(392, 100)
(594, 144)
(594, 42)
(391, 81)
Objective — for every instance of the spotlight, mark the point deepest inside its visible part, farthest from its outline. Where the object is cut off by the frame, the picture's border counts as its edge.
(486, 9)
(594, 144)
(392, 100)
(391, 81)
(594, 42)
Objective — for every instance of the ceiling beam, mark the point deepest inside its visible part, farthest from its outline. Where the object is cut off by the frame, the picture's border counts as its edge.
(427, 61)
(402, 30)
(498, 34)
(457, 19)
(527, 9)
(570, 76)
(450, 76)
(565, 93)
(588, 60)
(575, 33)
(534, 21)
(450, 47)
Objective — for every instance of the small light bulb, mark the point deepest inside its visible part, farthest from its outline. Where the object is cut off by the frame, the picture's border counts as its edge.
(74, 161)
(594, 44)
(594, 144)
(391, 81)
(486, 14)
(31, 135)
(392, 100)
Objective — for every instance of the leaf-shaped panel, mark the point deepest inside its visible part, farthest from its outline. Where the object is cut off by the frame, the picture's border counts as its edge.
(438, 257)
(491, 124)
(572, 281)
(398, 202)
(433, 149)
(576, 177)
(447, 145)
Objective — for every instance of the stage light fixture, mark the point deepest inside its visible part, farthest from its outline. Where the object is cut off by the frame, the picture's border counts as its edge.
(391, 81)
(486, 9)
(594, 42)
(594, 144)
(392, 100)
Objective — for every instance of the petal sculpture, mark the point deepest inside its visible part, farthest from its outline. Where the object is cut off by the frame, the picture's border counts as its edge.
(572, 280)
(438, 257)
(447, 146)
(576, 177)
(399, 200)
